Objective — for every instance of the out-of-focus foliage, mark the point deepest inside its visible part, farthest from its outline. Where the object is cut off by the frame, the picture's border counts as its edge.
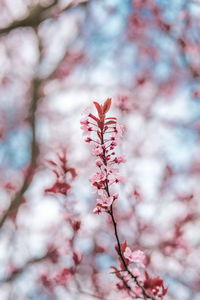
(56, 58)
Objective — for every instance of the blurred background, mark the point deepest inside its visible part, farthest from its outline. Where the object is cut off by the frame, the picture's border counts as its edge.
(56, 58)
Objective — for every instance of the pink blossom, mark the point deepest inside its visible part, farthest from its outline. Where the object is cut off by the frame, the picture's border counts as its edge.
(127, 277)
(114, 176)
(113, 144)
(119, 178)
(137, 290)
(111, 170)
(86, 129)
(99, 162)
(115, 196)
(137, 274)
(136, 257)
(119, 129)
(105, 200)
(100, 192)
(88, 139)
(124, 104)
(84, 121)
(62, 277)
(107, 157)
(113, 138)
(97, 150)
(98, 177)
(119, 159)
(97, 210)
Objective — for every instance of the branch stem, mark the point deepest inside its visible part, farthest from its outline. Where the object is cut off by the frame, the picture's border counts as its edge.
(111, 213)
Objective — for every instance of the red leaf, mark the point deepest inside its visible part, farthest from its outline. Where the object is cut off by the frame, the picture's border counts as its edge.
(116, 248)
(100, 205)
(165, 290)
(99, 134)
(110, 122)
(99, 109)
(123, 246)
(114, 268)
(55, 172)
(62, 157)
(106, 105)
(93, 117)
(73, 172)
(105, 128)
(116, 271)
(122, 267)
(59, 188)
(51, 162)
(77, 258)
(101, 124)
(146, 275)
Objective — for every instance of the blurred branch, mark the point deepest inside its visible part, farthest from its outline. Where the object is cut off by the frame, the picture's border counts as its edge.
(35, 16)
(16, 201)
(19, 271)
(181, 42)
(194, 73)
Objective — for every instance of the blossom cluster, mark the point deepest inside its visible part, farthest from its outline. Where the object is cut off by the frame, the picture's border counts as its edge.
(104, 133)
(154, 287)
(124, 104)
(136, 257)
(62, 277)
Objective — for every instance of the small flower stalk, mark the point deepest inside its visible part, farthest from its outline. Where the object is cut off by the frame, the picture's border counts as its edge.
(104, 134)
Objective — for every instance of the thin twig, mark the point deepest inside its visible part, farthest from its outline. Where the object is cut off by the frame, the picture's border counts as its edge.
(111, 213)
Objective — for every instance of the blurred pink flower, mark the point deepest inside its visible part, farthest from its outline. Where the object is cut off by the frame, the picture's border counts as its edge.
(97, 150)
(136, 257)
(98, 177)
(105, 200)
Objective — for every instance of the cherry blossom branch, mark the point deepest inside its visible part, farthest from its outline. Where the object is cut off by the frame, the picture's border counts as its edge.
(111, 213)
(150, 288)
(122, 258)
